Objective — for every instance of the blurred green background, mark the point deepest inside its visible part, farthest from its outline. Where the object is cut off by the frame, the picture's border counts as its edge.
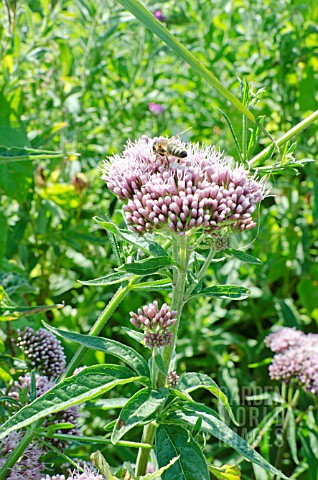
(78, 77)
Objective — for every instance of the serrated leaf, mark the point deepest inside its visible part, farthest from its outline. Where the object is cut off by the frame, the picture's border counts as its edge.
(139, 410)
(214, 426)
(147, 266)
(226, 472)
(85, 385)
(226, 291)
(111, 347)
(110, 279)
(172, 440)
(244, 257)
(189, 382)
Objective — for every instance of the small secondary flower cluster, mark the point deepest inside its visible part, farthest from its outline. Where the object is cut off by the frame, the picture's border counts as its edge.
(296, 358)
(42, 350)
(201, 191)
(155, 322)
(88, 474)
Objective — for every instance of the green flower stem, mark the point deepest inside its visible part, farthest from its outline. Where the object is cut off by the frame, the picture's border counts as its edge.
(287, 136)
(95, 330)
(153, 368)
(181, 254)
(292, 402)
(18, 451)
(201, 273)
(102, 440)
(98, 325)
(143, 454)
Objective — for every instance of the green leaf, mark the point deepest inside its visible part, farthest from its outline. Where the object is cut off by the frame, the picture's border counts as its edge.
(147, 266)
(172, 441)
(158, 473)
(3, 236)
(291, 434)
(244, 257)
(226, 472)
(160, 363)
(189, 382)
(87, 384)
(213, 426)
(138, 336)
(127, 235)
(16, 154)
(109, 279)
(111, 347)
(100, 462)
(140, 410)
(13, 312)
(226, 291)
(154, 286)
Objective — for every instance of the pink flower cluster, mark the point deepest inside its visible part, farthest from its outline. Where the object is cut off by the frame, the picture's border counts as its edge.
(297, 357)
(43, 384)
(201, 191)
(29, 465)
(88, 474)
(155, 322)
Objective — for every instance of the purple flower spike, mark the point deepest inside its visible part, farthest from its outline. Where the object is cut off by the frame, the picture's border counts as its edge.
(200, 191)
(156, 108)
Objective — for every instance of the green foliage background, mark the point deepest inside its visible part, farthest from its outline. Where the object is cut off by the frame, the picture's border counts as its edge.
(77, 77)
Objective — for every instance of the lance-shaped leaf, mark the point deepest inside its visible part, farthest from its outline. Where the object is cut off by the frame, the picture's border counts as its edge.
(147, 266)
(16, 154)
(173, 440)
(192, 381)
(140, 410)
(154, 286)
(148, 246)
(87, 384)
(14, 312)
(111, 347)
(240, 255)
(210, 424)
(226, 291)
(110, 279)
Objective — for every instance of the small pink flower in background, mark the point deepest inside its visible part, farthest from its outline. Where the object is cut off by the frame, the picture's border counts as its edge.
(297, 359)
(156, 108)
(159, 16)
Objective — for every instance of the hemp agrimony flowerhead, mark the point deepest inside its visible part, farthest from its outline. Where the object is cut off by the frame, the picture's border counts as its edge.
(42, 350)
(201, 192)
(155, 323)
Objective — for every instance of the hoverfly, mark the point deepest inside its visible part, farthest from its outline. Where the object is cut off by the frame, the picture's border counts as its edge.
(166, 146)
